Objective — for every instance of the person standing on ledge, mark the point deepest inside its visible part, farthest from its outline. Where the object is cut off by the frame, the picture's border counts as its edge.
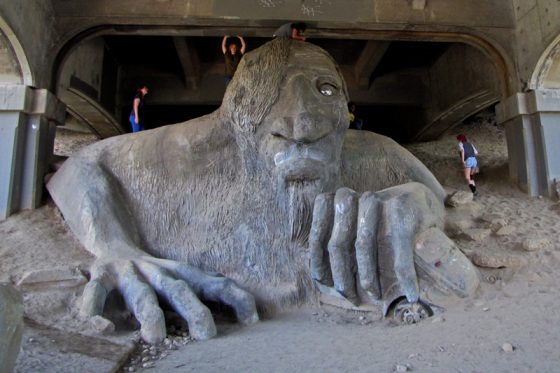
(232, 56)
(291, 30)
(468, 159)
(136, 117)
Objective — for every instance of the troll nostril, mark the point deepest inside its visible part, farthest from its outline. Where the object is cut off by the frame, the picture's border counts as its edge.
(300, 142)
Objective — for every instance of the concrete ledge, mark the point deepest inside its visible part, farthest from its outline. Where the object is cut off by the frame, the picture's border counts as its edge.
(47, 104)
(28, 100)
(15, 98)
(544, 100)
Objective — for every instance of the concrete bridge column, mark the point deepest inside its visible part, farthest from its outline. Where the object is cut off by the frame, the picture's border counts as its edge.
(532, 122)
(28, 118)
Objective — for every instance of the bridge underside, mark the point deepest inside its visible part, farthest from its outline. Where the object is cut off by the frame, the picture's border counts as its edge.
(409, 90)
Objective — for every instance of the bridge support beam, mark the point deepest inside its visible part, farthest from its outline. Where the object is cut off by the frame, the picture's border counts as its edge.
(532, 122)
(368, 61)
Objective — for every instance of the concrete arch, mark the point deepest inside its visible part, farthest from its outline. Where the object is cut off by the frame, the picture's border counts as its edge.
(546, 74)
(488, 47)
(17, 49)
(440, 116)
(481, 42)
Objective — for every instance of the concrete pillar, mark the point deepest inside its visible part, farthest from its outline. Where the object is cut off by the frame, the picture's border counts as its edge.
(532, 122)
(27, 120)
(46, 112)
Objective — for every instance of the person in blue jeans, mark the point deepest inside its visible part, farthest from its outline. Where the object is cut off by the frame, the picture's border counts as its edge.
(468, 155)
(136, 117)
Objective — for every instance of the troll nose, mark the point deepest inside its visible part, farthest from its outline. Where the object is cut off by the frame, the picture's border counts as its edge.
(308, 128)
(303, 128)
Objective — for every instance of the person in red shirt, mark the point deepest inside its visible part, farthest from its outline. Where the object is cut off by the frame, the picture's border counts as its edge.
(136, 117)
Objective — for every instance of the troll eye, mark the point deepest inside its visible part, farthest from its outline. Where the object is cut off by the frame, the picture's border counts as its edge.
(327, 89)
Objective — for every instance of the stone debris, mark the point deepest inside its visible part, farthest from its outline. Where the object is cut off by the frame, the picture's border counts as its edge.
(495, 259)
(476, 234)
(458, 198)
(505, 231)
(401, 368)
(55, 277)
(507, 347)
(146, 355)
(493, 219)
(101, 325)
(535, 243)
(457, 227)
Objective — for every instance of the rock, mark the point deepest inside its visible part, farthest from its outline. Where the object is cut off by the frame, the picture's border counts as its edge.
(11, 326)
(101, 325)
(505, 231)
(493, 259)
(459, 198)
(507, 347)
(457, 227)
(476, 234)
(473, 209)
(439, 261)
(494, 219)
(55, 277)
(535, 243)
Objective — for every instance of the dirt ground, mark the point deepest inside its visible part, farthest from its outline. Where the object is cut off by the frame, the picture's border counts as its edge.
(512, 324)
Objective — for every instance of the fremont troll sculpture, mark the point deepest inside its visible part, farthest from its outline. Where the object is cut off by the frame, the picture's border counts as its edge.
(268, 202)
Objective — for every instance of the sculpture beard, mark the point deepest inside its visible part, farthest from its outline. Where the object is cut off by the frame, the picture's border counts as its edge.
(300, 210)
(303, 179)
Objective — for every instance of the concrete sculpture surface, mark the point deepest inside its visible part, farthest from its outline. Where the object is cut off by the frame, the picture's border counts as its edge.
(260, 205)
